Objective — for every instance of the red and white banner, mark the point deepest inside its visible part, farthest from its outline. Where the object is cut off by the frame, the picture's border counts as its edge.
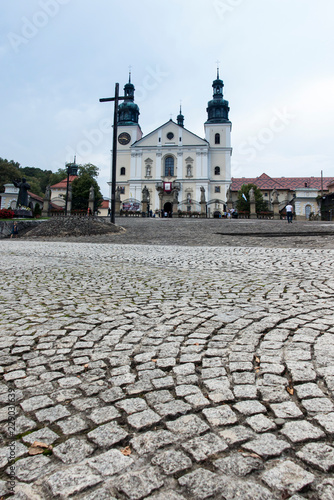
(167, 187)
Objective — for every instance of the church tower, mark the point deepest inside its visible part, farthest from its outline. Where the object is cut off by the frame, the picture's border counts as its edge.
(218, 134)
(129, 130)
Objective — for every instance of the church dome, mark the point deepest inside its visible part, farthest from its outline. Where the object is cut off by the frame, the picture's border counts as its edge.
(218, 107)
(128, 110)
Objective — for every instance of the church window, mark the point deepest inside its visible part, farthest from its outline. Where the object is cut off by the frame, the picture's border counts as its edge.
(122, 189)
(217, 139)
(122, 170)
(217, 189)
(217, 170)
(169, 166)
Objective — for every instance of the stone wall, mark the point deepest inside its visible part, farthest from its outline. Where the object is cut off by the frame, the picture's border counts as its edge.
(22, 225)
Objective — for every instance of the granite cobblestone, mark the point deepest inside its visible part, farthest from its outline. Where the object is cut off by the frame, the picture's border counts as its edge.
(169, 371)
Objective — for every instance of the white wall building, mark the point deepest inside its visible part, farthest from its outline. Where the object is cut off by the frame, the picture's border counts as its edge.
(173, 162)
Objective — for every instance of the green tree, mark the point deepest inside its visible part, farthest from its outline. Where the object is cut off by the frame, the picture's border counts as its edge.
(244, 205)
(9, 172)
(81, 186)
(36, 177)
(58, 176)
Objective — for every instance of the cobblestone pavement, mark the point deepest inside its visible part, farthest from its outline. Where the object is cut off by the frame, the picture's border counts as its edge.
(219, 232)
(167, 372)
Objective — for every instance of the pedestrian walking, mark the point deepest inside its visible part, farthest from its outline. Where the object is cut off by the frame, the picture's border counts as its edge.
(15, 231)
(289, 212)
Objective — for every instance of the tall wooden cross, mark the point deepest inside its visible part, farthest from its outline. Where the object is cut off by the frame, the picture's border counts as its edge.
(114, 148)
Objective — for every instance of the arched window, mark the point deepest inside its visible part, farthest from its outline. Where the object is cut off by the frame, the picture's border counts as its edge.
(169, 166)
(123, 171)
(217, 170)
(217, 139)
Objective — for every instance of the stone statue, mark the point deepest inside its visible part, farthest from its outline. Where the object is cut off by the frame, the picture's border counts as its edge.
(91, 194)
(202, 194)
(229, 195)
(251, 195)
(176, 195)
(275, 196)
(118, 194)
(47, 193)
(22, 199)
(146, 194)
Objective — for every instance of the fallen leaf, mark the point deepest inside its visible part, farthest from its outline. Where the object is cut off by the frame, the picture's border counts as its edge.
(257, 360)
(290, 390)
(37, 448)
(154, 360)
(86, 366)
(126, 451)
(249, 454)
(196, 343)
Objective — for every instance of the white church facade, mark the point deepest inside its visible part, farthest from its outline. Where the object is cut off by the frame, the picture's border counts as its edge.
(178, 168)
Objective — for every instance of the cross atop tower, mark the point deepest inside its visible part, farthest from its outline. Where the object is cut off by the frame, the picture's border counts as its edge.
(217, 62)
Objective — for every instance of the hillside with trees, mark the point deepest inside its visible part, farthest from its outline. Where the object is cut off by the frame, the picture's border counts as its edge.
(39, 179)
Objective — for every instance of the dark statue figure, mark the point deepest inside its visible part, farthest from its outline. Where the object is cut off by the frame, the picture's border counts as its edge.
(22, 199)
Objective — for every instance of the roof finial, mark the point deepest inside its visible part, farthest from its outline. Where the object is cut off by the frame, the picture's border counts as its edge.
(75, 159)
(180, 107)
(130, 67)
(217, 69)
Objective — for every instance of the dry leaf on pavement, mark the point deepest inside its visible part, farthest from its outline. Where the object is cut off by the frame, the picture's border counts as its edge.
(37, 448)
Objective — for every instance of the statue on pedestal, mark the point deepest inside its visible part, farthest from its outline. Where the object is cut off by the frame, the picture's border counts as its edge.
(202, 194)
(118, 195)
(275, 196)
(145, 194)
(22, 199)
(91, 194)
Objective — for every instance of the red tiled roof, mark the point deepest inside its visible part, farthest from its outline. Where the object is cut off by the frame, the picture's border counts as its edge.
(63, 183)
(54, 206)
(35, 196)
(104, 204)
(286, 183)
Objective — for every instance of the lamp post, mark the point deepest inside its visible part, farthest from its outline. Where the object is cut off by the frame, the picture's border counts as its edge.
(114, 148)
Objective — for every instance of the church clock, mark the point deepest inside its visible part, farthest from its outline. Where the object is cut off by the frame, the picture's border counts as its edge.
(124, 138)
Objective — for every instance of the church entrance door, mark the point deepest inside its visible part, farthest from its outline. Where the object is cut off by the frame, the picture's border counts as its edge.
(168, 209)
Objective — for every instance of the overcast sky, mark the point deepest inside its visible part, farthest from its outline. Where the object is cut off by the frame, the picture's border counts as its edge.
(58, 57)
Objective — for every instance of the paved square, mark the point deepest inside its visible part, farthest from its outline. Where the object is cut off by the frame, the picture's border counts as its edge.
(149, 352)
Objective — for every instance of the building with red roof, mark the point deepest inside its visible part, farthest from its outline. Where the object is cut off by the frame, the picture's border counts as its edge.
(58, 191)
(302, 192)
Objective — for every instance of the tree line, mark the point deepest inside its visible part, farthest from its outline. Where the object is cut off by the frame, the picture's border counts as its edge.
(39, 179)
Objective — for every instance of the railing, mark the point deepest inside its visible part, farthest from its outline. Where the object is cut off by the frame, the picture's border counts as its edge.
(74, 213)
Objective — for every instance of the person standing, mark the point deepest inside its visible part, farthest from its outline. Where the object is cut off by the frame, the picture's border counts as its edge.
(15, 231)
(289, 212)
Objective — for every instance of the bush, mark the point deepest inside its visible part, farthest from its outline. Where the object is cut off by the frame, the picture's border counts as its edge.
(6, 213)
(37, 210)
